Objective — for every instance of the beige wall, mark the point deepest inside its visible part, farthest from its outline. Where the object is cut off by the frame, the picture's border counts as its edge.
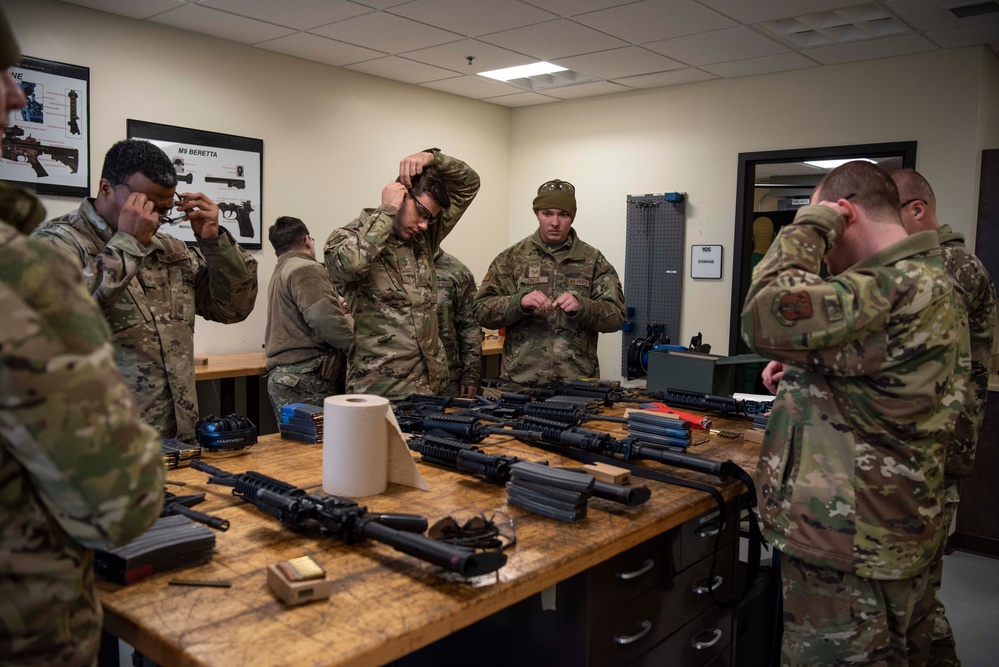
(332, 138)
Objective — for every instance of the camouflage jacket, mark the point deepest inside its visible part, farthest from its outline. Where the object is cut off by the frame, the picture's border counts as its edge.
(149, 296)
(391, 287)
(973, 283)
(556, 345)
(460, 334)
(78, 469)
(876, 365)
(304, 318)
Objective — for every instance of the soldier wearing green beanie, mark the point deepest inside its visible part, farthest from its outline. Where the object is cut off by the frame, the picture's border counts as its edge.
(553, 294)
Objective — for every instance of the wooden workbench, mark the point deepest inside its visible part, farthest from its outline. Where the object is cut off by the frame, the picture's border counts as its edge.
(384, 604)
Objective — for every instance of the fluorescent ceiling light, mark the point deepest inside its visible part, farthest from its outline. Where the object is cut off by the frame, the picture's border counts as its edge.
(522, 71)
(832, 164)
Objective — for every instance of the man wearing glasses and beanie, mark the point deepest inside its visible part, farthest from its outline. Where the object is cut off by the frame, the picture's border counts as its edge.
(150, 285)
(553, 293)
(383, 263)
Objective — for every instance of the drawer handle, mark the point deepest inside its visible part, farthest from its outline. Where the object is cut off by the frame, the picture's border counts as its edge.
(716, 634)
(710, 529)
(628, 639)
(647, 565)
(715, 583)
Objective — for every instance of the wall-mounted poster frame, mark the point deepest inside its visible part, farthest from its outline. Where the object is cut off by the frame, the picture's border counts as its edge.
(227, 168)
(46, 145)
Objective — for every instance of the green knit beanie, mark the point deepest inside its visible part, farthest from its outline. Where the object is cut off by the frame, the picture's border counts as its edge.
(557, 194)
(9, 53)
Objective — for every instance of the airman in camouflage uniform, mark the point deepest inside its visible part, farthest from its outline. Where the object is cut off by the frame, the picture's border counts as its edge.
(461, 334)
(305, 321)
(875, 371)
(150, 285)
(384, 264)
(78, 469)
(972, 283)
(553, 293)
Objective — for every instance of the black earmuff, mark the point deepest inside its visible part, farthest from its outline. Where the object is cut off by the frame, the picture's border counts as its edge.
(222, 433)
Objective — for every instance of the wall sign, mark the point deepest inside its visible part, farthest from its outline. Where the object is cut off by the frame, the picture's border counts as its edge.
(705, 261)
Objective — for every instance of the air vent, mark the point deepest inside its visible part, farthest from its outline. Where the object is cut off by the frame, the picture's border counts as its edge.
(849, 24)
(967, 11)
(549, 81)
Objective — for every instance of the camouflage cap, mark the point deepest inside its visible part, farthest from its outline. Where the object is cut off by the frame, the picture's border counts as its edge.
(557, 194)
(10, 54)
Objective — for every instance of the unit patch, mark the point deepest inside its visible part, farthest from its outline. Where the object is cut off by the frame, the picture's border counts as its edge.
(788, 307)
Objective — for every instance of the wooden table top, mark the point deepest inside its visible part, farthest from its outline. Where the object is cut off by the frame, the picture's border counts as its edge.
(384, 604)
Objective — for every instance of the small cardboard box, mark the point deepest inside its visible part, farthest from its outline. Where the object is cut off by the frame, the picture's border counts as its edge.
(695, 371)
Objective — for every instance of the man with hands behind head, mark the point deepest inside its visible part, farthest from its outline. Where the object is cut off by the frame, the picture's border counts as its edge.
(553, 293)
(150, 285)
(383, 263)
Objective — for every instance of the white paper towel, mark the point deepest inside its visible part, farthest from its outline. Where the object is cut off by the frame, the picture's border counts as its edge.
(360, 443)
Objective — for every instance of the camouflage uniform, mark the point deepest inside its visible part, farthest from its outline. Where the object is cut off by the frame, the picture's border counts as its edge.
(850, 477)
(979, 294)
(391, 287)
(78, 469)
(556, 345)
(460, 334)
(304, 324)
(149, 296)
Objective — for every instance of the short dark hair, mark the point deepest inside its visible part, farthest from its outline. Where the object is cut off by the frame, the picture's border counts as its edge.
(865, 184)
(287, 233)
(432, 182)
(136, 156)
(913, 185)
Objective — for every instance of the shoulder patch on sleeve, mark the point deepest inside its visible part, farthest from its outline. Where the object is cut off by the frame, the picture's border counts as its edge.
(833, 308)
(788, 307)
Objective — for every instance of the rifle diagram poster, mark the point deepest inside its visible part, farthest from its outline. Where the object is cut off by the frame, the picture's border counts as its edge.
(46, 145)
(226, 168)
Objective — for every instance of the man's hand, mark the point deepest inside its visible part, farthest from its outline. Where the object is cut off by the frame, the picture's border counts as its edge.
(201, 212)
(536, 301)
(138, 218)
(467, 391)
(413, 165)
(772, 376)
(392, 195)
(568, 302)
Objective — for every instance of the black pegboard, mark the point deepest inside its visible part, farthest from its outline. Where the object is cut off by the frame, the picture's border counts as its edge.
(653, 267)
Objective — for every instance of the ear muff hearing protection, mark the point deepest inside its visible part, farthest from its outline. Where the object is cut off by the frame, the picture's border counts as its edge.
(225, 433)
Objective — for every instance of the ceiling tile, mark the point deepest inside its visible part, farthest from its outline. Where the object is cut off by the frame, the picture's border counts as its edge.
(875, 48)
(765, 65)
(387, 32)
(298, 14)
(220, 25)
(672, 78)
(482, 18)
(454, 56)
(136, 9)
(380, 4)
(587, 90)
(520, 99)
(617, 63)
(471, 86)
(933, 14)
(319, 49)
(769, 10)
(576, 7)
(717, 46)
(983, 33)
(653, 20)
(553, 39)
(401, 69)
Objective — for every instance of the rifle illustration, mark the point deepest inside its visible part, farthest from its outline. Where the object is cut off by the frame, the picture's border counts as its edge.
(497, 469)
(14, 148)
(237, 183)
(74, 125)
(240, 213)
(349, 522)
(174, 504)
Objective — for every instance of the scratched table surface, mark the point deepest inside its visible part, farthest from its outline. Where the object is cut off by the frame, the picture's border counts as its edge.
(384, 604)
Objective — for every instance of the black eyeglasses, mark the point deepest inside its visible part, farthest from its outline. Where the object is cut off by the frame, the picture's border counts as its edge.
(551, 186)
(165, 218)
(473, 530)
(909, 201)
(422, 210)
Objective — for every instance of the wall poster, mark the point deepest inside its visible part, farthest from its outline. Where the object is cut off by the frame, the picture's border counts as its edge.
(46, 145)
(227, 168)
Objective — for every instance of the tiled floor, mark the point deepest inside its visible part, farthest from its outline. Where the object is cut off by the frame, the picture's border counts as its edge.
(970, 591)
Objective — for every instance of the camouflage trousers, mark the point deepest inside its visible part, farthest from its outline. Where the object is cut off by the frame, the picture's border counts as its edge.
(298, 383)
(835, 618)
(943, 652)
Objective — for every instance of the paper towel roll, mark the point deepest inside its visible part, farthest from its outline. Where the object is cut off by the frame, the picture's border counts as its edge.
(355, 445)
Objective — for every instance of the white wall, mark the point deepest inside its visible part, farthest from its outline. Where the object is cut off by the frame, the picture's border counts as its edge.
(332, 137)
(688, 138)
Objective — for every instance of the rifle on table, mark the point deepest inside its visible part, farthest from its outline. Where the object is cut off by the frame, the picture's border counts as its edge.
(726, 405)
(13, 147)
(497, 469)
(174, 504)
(240, 213)
(349, 522)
